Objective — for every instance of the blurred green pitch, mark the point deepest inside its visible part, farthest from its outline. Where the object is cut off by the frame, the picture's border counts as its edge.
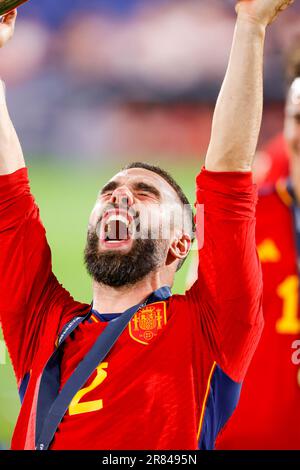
(66, 196)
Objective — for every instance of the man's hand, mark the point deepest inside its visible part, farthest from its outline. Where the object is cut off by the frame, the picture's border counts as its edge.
(238, 113)
(262, 12)
(7, 27)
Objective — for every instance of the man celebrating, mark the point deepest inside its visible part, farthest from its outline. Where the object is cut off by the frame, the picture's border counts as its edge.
(141, 369)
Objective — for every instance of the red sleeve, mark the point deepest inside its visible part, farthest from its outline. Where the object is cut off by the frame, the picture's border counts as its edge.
(227, 295)
(27, 285)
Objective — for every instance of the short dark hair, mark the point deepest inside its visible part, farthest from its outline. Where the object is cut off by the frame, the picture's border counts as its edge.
(181, 195)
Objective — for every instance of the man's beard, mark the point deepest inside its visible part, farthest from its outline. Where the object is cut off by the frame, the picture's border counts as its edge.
(117, 269)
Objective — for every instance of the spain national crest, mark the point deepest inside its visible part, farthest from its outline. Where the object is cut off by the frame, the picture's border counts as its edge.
(147, 322)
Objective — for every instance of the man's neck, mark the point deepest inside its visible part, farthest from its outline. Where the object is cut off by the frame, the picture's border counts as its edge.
(116, 300)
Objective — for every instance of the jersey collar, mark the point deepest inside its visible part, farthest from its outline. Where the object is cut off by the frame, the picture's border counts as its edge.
(163, 293)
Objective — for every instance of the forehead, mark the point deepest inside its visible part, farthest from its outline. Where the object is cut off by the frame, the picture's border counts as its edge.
(134, 175)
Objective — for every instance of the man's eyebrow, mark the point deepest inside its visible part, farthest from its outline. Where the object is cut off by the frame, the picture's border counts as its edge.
(138, 186)
(110, 186)
(148, 188)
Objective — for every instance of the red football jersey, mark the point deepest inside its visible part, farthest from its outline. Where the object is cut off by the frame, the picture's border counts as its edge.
(173, 378)
(268, 414)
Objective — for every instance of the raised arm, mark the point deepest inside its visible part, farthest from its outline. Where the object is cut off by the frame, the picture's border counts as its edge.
(31, 299)
(11, 155)
(238, 113)
(227, 295)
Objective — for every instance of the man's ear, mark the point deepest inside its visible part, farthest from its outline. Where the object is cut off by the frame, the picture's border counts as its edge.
(180, 247)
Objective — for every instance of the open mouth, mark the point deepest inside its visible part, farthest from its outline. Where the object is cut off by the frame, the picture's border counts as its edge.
(117, 228)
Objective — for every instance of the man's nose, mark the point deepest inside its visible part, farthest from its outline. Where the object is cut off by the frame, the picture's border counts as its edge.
(122, 197)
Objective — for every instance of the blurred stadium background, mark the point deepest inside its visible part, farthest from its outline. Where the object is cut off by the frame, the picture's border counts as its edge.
(94, 84)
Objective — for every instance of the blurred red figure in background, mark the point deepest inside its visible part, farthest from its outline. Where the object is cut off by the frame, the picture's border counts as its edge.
(272, 162)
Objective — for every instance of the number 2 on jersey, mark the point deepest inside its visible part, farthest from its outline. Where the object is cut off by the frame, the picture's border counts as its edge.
(75, 407)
